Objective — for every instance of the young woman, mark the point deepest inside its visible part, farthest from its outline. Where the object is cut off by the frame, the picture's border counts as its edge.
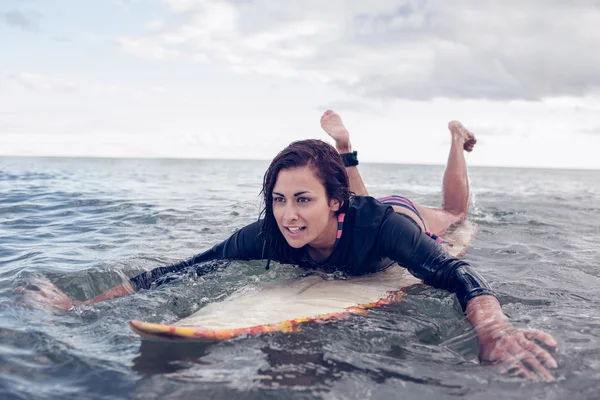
(312, 219)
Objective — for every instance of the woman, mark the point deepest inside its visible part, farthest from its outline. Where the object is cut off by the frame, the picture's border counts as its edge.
(311, 219)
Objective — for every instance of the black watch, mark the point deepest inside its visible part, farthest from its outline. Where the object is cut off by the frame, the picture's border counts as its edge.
(350, 159)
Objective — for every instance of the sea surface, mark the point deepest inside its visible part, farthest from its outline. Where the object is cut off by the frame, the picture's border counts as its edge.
(88, 224)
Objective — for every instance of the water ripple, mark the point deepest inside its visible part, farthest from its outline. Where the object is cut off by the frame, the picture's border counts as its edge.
(87, 225)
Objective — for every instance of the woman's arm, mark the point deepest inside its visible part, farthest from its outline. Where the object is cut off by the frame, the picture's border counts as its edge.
(245, 244)
(120, 290)
(403, 241)
(499, 341)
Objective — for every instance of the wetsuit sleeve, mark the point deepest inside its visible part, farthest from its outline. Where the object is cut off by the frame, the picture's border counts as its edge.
(405, 243)
(245, 244)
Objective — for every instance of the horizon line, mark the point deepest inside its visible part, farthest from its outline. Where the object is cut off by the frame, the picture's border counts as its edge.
(267, 160)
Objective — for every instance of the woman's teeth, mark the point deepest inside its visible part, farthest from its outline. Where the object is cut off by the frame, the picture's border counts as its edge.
(295, 230)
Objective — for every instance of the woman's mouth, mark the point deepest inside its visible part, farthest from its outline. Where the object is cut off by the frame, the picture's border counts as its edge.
(294, 231)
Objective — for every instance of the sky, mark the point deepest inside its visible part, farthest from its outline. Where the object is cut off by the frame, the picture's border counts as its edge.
(243, 78)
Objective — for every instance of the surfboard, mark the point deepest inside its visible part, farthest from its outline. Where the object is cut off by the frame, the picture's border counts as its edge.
(284, 306)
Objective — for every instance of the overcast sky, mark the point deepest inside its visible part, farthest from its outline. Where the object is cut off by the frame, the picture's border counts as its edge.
(243, 78)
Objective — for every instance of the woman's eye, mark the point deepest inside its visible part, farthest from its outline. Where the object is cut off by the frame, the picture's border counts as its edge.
(278, 199)
(303, 200)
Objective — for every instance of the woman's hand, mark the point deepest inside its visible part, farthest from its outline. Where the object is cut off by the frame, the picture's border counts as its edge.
(502, 343)
(41, 293)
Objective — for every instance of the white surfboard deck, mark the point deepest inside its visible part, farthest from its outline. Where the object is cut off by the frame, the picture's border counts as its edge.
(312, 295)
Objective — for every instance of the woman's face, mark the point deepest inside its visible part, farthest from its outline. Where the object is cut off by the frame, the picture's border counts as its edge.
(302, 210)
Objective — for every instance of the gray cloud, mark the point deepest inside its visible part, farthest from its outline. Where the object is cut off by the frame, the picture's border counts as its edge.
(418, 49)
(21, 20)
(347, 105)
(594, 131)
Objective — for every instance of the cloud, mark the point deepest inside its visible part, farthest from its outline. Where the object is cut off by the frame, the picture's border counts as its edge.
(347, 106)
(25, 21)
(146, 48)
(419, 49)
(43, 82)
(593, 131)
(125, 3)
(40, 82)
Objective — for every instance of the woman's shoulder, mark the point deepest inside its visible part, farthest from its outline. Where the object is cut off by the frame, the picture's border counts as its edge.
(367, 211)
(362, 204)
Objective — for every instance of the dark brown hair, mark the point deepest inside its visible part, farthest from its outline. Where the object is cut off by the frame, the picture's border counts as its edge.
(329, 169)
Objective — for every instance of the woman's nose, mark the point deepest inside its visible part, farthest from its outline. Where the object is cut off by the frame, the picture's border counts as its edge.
(290, 213)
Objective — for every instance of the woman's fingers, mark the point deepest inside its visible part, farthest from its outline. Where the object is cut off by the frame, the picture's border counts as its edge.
(512, 365)
(517, 352)
(530, 354)
(42, 294)
(539, 352)
(517, 360)
(530, 359)
(542, 337)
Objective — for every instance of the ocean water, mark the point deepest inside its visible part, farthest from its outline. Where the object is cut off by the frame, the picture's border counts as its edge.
(87, 224)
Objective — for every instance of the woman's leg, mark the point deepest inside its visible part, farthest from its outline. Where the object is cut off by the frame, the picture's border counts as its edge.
(455, 189)
(332, 123)
(455, 185)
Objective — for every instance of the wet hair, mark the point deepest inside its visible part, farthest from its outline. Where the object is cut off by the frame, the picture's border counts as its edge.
(328, 168)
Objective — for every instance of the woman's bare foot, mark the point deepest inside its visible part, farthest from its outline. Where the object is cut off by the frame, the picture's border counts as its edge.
(463, 135)
(332, 123)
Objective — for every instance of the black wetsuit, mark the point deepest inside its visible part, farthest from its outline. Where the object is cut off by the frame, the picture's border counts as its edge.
(373, 237)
